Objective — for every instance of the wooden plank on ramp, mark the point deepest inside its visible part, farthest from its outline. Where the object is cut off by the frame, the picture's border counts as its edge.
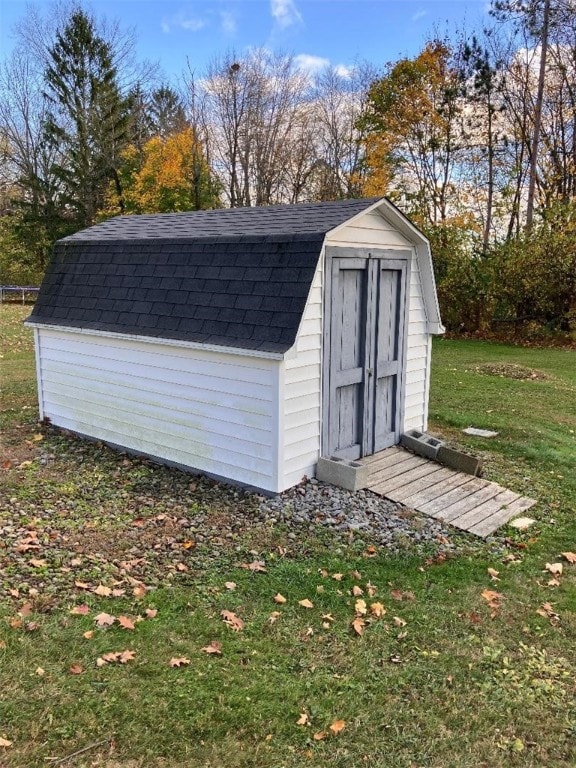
(464, 501)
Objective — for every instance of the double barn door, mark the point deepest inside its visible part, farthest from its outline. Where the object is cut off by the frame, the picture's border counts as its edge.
(364, 349)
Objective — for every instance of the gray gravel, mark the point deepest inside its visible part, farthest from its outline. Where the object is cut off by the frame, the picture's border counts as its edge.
(383, 522)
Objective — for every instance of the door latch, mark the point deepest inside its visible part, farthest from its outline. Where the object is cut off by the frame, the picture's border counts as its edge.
(369, 371)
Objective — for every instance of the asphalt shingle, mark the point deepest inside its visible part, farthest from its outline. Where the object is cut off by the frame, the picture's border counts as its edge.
(237, 277)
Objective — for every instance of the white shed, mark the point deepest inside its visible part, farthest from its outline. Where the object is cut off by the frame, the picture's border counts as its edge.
(243, 343)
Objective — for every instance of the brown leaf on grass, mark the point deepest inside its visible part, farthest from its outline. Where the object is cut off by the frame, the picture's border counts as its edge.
(274, 616)
(230, 585)
(370, 551)
(377, 610)
(118, 592)
(102, 591)
(188, 544)
(555, 568)
(553, 582)
(337, 576)
(39, 671)
(151, 613)
(214, 648)
(233, 621)
(493, 574)
(548, 612)
(38, 437)
(125, 622)
(280, 599)
(16, 622)
(399, 594)
(371, 589)
(320, 736)
(82, 585)
(570, 556)
(89, 634)
(360, 607)
(104, 620)
(5, 742)
(398, 622)
(75, 669)
(306, 603)
(182, 567)
(357, 591)
(179, 661)
(303, 719)
(492, 598)
(358, 626)
(120, 657)
(355, 575)
(257, 566)
(80, 610)
(327, 617)
(32, 626)
(139, 590)
(337, 726)
(37, 563)
(25, 610)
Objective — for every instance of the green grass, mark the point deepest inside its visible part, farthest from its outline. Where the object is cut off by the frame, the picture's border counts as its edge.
(452, 687)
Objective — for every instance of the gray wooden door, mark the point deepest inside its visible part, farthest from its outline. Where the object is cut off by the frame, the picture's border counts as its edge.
(366, 305)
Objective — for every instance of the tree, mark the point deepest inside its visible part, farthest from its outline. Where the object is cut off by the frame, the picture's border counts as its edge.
(412, 131)
(89, 116)
(169, 174)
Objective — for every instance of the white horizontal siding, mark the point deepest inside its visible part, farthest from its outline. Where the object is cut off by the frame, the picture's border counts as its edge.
(371, 230)
(205, 410)
(417, 356)
(302, 392)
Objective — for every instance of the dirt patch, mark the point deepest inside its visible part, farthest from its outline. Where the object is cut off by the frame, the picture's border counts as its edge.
(512, 371)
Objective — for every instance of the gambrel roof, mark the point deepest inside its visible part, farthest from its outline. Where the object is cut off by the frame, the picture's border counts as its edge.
(233, 277)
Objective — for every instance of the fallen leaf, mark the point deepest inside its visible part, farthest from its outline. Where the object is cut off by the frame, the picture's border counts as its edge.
(570, 556)
(126, 656)
(38, 437)
(377, 610)
(230, 585)
(214, 648)
(25, 610)
(358, 626)
(547, 611)
(555, 568)
(398, 594)
(104, 620)
(80, 610)
(303, 719)
(360, 608)
(327, 617)
(553, 582)
(399, 622)
(274, 616)
(337, 576)
(82, 585)
(257, 566)
(337, 726)
(371, 589)
(139, 591)
(491, 596)
(75, 669)
(39, 671)
(89, 634)
(306, 603)
(150, 613)
(280, 599)
(5, 742)
(125, 622)
(118, 592)
(355, 575)
(179, 661)
(32, 626)
(188, 544)
(37, 563)
(493, 574)
(102, 591)
(182, 567)
(320, 736)
(357, 591)
(370, 551)
(233, 621)
(16, 623)
(75, 562)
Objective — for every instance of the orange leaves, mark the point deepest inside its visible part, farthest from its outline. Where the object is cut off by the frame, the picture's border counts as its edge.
(214, 648)
(570, 557)
(233, 621)
(337, 726)
(80, 610)
(179, 661)
(104, 620)
(358, 625)
(75, 669)
(126, 623)
(257, 566)
(115, 657)
(493, 599)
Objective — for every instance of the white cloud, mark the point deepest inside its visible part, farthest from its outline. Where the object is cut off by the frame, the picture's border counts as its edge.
(228, 22)
(285, 13)
(310, 64)
(343, 70)
(183, 21)
(419, 15)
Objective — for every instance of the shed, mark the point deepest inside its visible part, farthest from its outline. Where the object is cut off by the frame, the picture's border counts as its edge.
(242, 343)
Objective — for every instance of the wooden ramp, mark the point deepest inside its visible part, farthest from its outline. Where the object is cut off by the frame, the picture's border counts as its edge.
(467, 502)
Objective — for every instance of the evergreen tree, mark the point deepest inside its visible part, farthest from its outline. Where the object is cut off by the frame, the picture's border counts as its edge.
(89, 119)
(166, 112)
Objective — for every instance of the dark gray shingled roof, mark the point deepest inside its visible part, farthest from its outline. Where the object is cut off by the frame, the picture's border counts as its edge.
(236, 277)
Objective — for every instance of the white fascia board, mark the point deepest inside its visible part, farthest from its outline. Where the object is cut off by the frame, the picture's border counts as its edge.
(160, 340)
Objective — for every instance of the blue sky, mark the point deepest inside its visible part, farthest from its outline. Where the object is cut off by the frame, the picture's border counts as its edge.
(335, 31)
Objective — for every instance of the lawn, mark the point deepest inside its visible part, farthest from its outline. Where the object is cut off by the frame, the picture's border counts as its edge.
(112, 568)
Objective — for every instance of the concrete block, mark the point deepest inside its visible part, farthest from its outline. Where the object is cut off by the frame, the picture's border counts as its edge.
(421, 443)
(463, 462)
(351, 475)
